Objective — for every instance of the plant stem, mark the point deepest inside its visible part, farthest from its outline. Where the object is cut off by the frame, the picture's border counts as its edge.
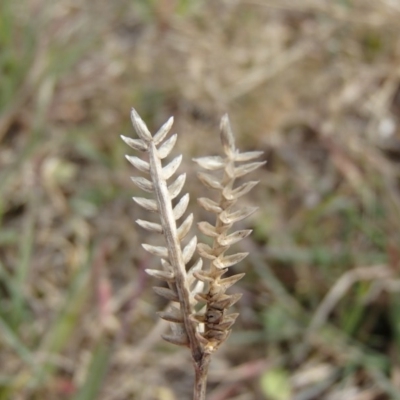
(201, 371)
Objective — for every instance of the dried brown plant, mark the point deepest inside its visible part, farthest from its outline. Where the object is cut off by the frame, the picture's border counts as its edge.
(199, 303)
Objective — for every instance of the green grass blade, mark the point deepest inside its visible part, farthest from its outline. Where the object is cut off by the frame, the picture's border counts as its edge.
(97, 370)
(9, 336)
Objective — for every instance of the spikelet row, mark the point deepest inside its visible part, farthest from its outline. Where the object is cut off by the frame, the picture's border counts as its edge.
(174, 258)
(234, 165)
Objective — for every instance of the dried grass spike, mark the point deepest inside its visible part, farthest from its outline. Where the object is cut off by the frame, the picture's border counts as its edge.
(202, 327)
(217, 325)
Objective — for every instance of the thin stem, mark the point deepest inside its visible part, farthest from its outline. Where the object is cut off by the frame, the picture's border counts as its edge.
(201, 371)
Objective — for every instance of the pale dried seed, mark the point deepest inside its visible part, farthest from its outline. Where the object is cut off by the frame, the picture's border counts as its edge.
(181, 207)
(231, 317)
(198, 288)
(207, 229)
(171, 168)
(228, 217)
(215, 274)
(184, 228)
(230, 172)
(147, 204)
(220, 326)
(209, 181)
(217, 335)
(178, 329)
(179, 340)
(140, 126)
(202, 339)
(226, 324)
(189, 250)
(209, 205)
(173, 314)
(233, 237)
(139, 164)
(247, 156)
(247, 168)
(164, 150)
(159, 251)
(169, 294)
(210, 163)
(227, 139)
(226, 301)
(202, 297)
(163, 131)
(150, 226)
(203, 276)
(228, 282)
(166, 265)
(136, 144)
(162, 275)
(175, 188)
(205, 251)
(198, 317)
(228, 261)
(143, 183)
(231, 194)
(195, 267)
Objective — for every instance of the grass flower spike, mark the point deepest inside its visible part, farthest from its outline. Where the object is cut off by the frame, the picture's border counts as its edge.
(173, 257)
(201, 327)
(217, 322)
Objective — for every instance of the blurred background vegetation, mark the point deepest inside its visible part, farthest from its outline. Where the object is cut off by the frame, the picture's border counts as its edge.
(313, 83)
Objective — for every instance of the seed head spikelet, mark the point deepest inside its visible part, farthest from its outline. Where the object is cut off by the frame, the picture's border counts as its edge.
(174, 258)
(202, 327)
(234, 165)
